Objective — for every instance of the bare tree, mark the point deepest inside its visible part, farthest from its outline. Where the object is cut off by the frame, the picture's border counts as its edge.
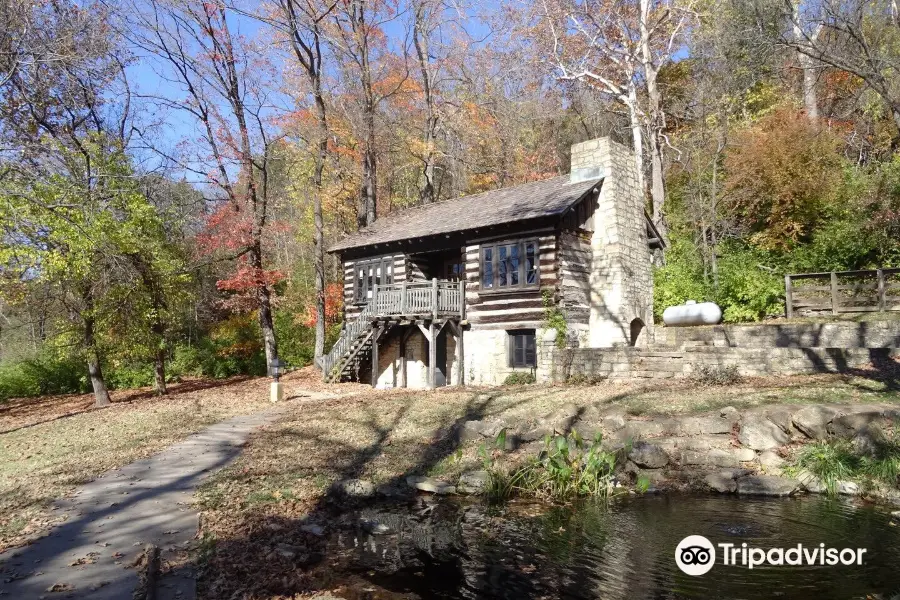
(859, 37)
(225, 92)
(619, 48)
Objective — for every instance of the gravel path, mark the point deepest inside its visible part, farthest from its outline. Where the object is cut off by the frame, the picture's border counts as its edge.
(111, 519)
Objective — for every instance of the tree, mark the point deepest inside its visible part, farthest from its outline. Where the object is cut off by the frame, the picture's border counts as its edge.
(859, 37)
(226, 93)
(617, 47)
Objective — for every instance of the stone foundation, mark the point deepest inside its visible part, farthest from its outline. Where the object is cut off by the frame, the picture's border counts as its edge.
(487, 356)
(838, 334)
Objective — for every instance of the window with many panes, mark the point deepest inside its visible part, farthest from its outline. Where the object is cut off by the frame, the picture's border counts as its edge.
(509, 265)
(522, 352)
(370, 273)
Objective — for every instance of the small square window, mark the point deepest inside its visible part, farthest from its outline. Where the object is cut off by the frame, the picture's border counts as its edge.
(522, 350)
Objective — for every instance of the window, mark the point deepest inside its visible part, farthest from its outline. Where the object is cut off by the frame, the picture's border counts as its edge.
(509, 265)
(454, 270)
(522, 348)
(370, 273)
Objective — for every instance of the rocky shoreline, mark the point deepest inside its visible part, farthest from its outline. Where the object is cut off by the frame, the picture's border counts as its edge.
(724, 451)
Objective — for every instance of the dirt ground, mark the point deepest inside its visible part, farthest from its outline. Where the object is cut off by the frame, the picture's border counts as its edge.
(50, 445)
(282, 483)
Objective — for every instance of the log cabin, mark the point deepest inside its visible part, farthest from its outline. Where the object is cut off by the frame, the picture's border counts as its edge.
(458, 292)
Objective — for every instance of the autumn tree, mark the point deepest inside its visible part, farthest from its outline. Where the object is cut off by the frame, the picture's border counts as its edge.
(223, 86)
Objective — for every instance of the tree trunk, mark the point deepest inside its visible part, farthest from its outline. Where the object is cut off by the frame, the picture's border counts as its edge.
(368, 203)
(101, 394)
(810, 101)
(637, 134)
(420, 39)
(159, 373)
(319, 240)
(657, 124)
(264, 300)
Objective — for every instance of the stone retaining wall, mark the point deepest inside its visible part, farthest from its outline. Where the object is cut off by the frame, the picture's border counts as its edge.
(631, 363)
(839, 334)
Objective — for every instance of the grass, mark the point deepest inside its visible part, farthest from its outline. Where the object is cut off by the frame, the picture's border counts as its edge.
(838, 460)
(48, 446)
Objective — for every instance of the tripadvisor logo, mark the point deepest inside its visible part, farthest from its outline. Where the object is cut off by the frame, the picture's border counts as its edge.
(696, 555)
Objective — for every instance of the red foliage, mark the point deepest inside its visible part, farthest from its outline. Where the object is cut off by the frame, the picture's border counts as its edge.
(334, 306)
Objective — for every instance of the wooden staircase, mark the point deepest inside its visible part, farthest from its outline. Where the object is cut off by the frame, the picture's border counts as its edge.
(390, 304)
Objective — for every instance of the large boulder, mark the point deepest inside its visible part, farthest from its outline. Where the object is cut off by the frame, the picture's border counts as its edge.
(771, 460)
(648, 455)
(813, 420)
(759, 433)
(869, 440)
(849, 424)
(810, 482)
(767, 485)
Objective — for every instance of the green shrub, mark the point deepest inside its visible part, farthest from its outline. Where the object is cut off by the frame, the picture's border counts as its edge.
(831, 461)
(519, 378)
(129, 376)
(44, 374)
(582, 379)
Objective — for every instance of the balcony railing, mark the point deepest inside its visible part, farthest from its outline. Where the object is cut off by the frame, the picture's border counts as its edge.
(434, 299)
(422, 299)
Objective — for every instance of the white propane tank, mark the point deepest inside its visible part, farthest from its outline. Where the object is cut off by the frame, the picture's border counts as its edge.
(692, 313)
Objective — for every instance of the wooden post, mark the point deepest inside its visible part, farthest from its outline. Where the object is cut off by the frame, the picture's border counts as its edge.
(835, 300)
(434, 299)
(462, 300)
(882, 303)
(403, 338)
(432, 351)
(788, 297)
(374, 302)
(403, 298)
(375, 337)
(460, 355)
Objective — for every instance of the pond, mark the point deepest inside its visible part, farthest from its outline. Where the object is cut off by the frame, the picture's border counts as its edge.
(442, 548)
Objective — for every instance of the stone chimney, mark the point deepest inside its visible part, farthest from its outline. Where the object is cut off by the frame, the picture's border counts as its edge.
(621, 279)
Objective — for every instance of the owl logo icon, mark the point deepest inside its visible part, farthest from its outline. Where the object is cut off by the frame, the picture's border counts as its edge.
(695, 555)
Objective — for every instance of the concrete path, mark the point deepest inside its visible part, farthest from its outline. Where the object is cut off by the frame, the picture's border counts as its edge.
(110, 520)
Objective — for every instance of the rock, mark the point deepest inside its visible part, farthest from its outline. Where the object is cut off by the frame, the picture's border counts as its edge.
(730, 413)
(813, 420)
(314, 529)
(767, 485)
(781, 416)
(810, 482)
(374, 527)
(648, 455)
(759, 433)
(868, 440)
(724, 458)
(847, 488)
(639, 430)
(535, 433)
(895, 514)
(286, 550)
(848, 425)
(721, 482)
(704, 425)
(562, 419)
(355, 488)
(612, 422)
(477, 430)
(428, 484)
(693, 457)
(771, 460)
(473, 482)
(745, 454)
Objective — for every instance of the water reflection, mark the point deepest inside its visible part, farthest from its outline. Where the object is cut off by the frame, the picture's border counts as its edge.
(438, 548)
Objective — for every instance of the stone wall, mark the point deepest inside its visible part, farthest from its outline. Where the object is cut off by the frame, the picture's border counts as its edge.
(621, 281)
(644, 363)
(839, 334)
(487, 357)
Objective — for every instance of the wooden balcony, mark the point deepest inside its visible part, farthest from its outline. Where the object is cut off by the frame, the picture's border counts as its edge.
(422, 300)
(411, 301)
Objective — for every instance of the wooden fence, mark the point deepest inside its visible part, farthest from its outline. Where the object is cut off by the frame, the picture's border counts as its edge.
(839, 292)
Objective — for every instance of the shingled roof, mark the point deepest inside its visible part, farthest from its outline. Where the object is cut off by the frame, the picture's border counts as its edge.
(536, 200)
